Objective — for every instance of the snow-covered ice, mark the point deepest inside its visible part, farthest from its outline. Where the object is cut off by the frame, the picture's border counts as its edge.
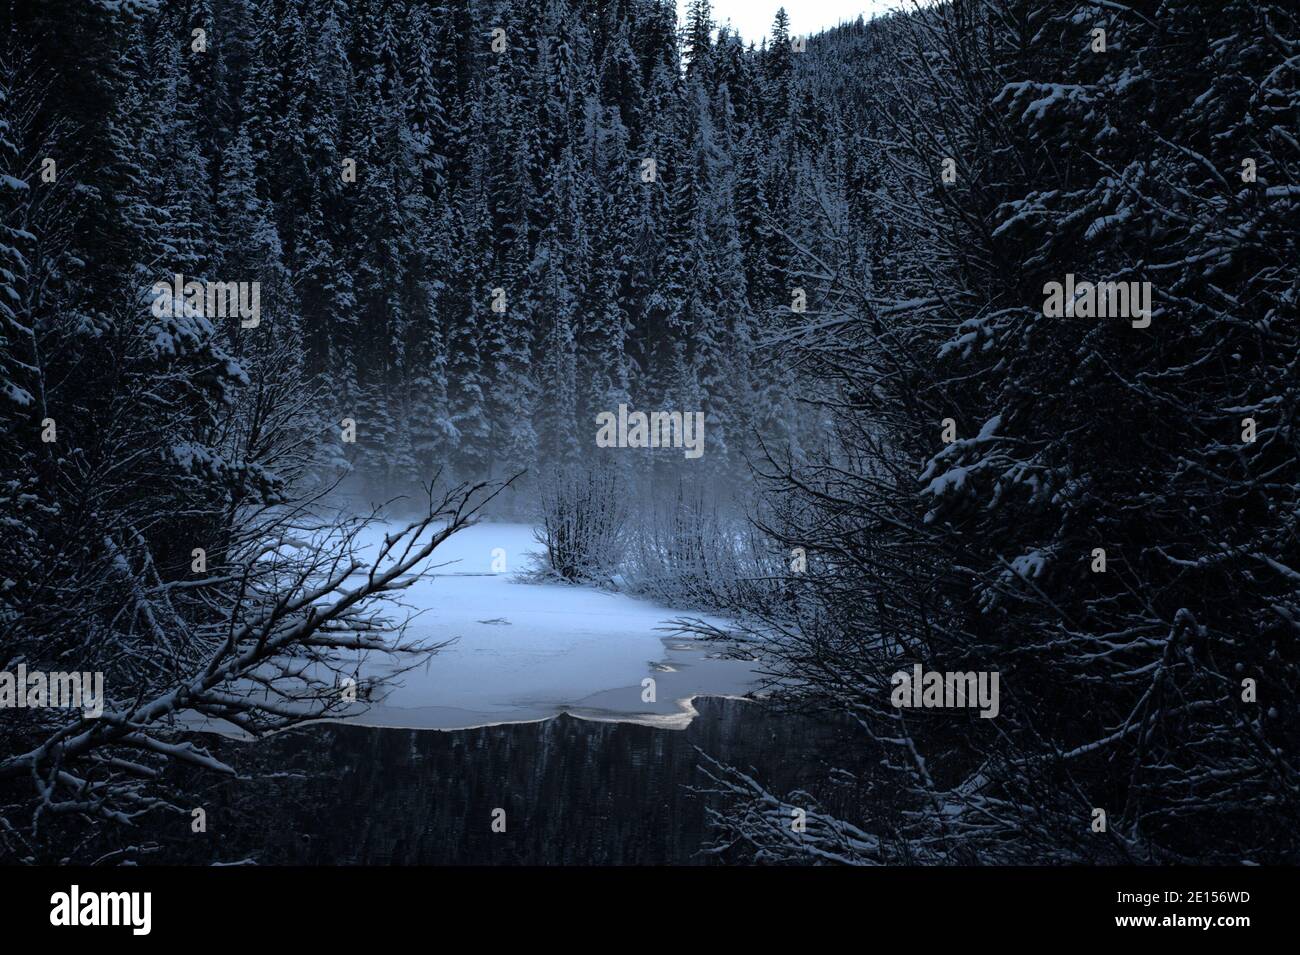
(526, 651)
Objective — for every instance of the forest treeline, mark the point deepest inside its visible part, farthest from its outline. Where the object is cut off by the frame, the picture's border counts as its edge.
(478, 224)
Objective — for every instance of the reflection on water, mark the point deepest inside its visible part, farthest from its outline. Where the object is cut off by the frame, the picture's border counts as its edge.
(574, 791)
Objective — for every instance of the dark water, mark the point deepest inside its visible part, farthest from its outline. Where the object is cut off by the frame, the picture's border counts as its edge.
(574, 791)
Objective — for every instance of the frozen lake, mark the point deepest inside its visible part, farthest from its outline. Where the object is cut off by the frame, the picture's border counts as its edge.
(526, 652)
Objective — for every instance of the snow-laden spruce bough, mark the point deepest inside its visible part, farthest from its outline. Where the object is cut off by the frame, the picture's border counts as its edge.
(661, 429)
